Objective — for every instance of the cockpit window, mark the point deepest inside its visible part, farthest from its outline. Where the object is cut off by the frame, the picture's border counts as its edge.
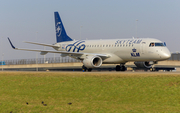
(159, 44)
(164, 43)
(152, 44)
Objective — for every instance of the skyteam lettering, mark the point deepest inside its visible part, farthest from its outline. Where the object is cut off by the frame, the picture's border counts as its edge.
(128, 41)
(76, 46)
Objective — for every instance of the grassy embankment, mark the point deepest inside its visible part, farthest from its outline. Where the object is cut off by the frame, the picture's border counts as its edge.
(89, 92)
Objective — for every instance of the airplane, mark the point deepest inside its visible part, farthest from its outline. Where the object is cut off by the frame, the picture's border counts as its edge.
(144, 52)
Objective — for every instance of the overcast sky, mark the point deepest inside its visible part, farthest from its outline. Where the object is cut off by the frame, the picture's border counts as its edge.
(33, 20)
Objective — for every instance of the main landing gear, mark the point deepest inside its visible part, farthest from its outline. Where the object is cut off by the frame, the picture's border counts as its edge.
(121, 67)
(86, 69)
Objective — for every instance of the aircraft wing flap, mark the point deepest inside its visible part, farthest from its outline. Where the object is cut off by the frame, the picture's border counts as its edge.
(64, 52)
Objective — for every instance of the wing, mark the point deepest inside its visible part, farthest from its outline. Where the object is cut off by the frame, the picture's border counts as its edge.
(60, 52)
(49, 45)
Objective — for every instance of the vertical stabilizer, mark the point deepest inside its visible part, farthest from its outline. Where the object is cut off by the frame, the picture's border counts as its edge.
(61, 35)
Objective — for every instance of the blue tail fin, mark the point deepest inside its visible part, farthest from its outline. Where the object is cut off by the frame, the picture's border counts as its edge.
(61, 35)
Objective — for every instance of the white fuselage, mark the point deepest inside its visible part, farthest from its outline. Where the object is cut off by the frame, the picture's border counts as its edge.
(119, 50)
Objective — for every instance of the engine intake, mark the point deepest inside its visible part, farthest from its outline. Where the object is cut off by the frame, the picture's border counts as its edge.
(92, 61)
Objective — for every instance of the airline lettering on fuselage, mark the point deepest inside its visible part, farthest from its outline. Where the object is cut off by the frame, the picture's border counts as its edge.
(76, 46)
(135, 54)
(128, 41)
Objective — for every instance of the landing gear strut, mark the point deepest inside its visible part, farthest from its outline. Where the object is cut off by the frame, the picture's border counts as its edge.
(84, 68)
(120, 67)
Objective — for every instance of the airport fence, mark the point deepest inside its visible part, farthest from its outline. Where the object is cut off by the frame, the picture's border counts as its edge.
(174, 56)
(41, 61)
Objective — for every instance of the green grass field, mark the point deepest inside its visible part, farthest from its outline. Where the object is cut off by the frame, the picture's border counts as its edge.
(89, 92)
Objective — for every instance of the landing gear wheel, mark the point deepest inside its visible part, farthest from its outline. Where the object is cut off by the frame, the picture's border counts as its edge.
(118, 68)
(123, 68)
(152, 69)
(90, 69)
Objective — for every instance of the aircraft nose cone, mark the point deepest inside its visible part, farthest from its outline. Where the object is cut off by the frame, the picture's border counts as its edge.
(166, 55)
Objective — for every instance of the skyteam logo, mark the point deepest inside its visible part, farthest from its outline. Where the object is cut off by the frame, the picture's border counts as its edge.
(76, 46)
(135, 54)
(58, 29)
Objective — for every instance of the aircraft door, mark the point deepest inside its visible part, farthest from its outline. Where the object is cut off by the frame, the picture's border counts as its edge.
(143, 47)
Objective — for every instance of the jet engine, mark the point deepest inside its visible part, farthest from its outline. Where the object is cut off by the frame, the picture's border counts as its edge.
(92, 61)
(147, 64)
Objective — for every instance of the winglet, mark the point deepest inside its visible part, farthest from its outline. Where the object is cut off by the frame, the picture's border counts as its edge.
(11, 43)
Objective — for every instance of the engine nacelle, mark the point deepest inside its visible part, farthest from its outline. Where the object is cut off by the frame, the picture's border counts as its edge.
(92, 61)
(147, 64)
